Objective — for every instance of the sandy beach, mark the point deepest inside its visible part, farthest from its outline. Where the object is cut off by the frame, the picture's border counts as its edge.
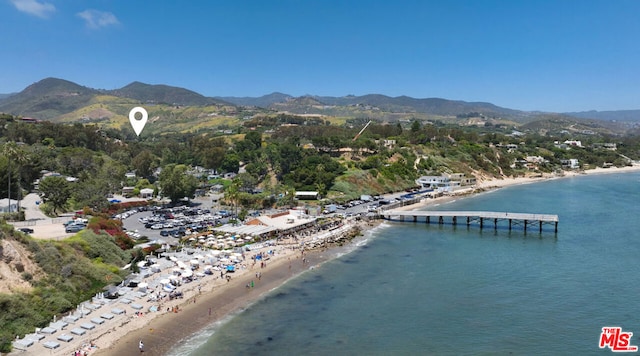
(163, 332)
(213, 298)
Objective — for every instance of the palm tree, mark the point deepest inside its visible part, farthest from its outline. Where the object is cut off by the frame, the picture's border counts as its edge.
(9, 150)
(19, 156)
(232, 193)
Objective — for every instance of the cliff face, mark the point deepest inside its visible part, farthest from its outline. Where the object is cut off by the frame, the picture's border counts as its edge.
(16, 268)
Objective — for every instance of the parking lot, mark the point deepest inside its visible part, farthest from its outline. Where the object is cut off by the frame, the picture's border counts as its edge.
(169, 224)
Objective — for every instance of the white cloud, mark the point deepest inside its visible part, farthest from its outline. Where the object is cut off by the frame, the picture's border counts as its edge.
(34, 7)
(96, 19)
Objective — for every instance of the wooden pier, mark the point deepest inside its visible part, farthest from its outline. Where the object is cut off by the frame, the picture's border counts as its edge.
(481, 217)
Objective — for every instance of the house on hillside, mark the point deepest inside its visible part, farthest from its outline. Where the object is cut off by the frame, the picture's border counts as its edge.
(307, 195)
(127, 191)
(29, 120)
(573, 143)
(607, 146)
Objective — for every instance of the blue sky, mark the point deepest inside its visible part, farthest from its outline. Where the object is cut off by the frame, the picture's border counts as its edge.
(526, 54)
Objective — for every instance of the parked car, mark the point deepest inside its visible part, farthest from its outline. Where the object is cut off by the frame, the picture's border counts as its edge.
(26, 230)
(73, 228)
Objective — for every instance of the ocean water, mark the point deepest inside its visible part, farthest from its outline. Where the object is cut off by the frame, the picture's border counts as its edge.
(414, 288)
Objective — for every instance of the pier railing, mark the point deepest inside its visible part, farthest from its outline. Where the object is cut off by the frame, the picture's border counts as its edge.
(480, 217)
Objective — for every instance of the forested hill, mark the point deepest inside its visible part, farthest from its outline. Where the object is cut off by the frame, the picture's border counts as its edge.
(53, 98)
(264, 101)
(158, 93)
(401, 104)
(60, 100)
(48, 98)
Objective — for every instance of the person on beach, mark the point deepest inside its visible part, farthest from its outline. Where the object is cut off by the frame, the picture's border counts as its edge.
(141, 346)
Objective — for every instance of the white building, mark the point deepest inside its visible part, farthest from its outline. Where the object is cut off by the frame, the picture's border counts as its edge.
(8, 206)
(438, 183)
(146, 193)
(570, 163)
(573, 143)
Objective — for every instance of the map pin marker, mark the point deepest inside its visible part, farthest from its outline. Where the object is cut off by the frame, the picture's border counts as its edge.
(138, 125)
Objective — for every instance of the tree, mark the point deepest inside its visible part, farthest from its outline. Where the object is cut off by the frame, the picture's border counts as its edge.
(213, 157)
(143, 163)
(8, 174)
(247, 181)
(232, 193)
(176, 184)
(415, 126)
(56, 191)
(19, 157)
(230, 163)
(255, 138)
(92, 193)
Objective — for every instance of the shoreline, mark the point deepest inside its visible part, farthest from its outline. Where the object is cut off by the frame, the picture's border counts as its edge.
(493, 184)
(164, 332)
(218, 300)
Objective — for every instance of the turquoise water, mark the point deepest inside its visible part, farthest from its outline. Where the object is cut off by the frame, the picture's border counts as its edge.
(443, 290)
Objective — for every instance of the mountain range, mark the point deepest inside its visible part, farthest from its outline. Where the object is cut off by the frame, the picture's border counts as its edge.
(54, 99)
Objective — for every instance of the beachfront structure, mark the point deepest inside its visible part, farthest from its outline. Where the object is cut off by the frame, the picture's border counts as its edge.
(434, 182)
(570, 163)
(445, 182)
(461, 177)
